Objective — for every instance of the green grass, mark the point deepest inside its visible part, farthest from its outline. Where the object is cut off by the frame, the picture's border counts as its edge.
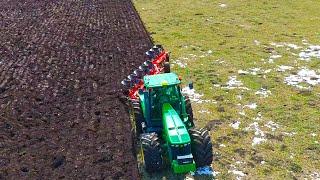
(188, 28)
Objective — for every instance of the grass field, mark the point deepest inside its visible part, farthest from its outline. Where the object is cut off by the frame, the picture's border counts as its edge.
(242, 57)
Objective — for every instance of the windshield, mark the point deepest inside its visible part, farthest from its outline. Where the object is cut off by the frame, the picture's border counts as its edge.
(166, 94)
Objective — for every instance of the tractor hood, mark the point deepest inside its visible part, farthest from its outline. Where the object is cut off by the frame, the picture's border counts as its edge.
(175, 130)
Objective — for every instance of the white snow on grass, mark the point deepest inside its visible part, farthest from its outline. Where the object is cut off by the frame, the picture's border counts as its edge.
(258, 140)
(251, 106)
(195, 97)
(239, 174)
(235, 125)
(259, 117)
(290, 134)
(315, 176)
(267, 71)
(259, 134)
(204, 112)
(254, 71)
(311, 52)
(289, 45)
(264, 93)
(256, 42)
(242, 72)
(180, 63)
(273, 57)
(303, 76)
(222, 145)
(283, 68)
(222, 5)
(272, 125)
(313, 134)
(233, 83)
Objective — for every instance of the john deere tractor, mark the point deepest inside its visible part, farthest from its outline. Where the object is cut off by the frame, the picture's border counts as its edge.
(164, 121)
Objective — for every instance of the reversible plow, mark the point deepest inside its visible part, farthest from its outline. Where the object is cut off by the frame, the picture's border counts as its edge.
(163, 117)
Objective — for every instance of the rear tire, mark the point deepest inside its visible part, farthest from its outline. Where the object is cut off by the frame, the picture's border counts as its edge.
(166, 67)
(152, 152)
(201, 147)
(189, 110)
(138, 116)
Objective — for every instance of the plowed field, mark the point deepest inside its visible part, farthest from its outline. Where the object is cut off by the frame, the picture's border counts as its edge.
(61, 63)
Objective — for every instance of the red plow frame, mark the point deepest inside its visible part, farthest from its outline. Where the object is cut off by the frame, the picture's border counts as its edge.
(157, 63)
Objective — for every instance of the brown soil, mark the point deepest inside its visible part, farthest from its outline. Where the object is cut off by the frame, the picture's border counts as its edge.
(61, 63)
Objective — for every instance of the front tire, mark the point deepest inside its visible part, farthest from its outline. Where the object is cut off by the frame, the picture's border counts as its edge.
(201, 147)
(152, 152)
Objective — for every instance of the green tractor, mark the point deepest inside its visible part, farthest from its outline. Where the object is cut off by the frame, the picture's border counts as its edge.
(164, 119)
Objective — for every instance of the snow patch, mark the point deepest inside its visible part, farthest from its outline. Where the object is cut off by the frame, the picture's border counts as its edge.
(235, 125)
(303, 76)
(242, 72)
(251, 106)
(267, 71)
(264, 93)
(313, 134)
(272, 125)
(233, 83)
(259, 134)
(192, 94)
(258, 140)
(222, 145)
(180, 63)
(311, 52)
(222, 5)
(289, 45)
(239, 174)
(204, 112)
(283, 68)
(315, 175)
(290, 134)
(259, 117)
(273, 57)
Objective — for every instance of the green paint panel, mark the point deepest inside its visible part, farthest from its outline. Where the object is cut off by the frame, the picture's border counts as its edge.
(183, 168)
(173, 126)
(159, 80)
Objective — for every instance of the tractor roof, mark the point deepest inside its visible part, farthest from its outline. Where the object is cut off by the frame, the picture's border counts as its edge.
(158, 80)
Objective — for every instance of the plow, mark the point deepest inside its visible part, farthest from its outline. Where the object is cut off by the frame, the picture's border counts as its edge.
(163, 118)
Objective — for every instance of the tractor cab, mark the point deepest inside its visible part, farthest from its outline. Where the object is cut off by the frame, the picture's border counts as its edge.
(159, 89)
